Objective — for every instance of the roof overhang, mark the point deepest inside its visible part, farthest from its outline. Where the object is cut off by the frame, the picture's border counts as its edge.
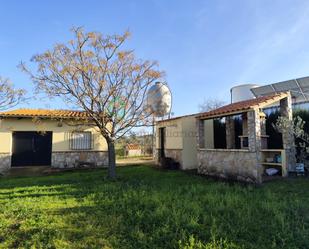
(243, 106)
(225, 114)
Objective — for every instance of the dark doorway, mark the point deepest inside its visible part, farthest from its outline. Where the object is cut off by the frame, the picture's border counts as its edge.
(162, 142)
(31, 148)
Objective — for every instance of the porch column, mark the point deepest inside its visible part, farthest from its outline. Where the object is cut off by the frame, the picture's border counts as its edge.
(230, 132)
(254, 130)
(244, 124)
(200, 133)
(287, 135)
(254, 139)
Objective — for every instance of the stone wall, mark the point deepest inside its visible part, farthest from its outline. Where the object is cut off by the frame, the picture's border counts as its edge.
(241, 165)
(176, 154)
(5, 162)
(71, 159)
(287, 135)
(156, 157)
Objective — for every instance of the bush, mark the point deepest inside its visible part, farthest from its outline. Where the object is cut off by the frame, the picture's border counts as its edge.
(120, 152)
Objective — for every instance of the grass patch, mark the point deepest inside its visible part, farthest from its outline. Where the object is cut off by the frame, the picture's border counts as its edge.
(136, 157)
(150, 208)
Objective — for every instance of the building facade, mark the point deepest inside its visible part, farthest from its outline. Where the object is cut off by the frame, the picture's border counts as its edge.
(249, 159)
(49, 138)
(176, 139)
(231, 141)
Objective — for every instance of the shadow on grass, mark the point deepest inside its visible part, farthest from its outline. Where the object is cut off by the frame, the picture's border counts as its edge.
(149, 208)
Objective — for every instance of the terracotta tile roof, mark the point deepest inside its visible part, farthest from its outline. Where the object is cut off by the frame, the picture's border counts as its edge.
(243, 106)
(133, 146)
(31, 113)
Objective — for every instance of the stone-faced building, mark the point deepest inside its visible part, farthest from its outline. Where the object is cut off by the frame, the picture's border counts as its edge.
(249, 160)
(53, 138)
(232, 141)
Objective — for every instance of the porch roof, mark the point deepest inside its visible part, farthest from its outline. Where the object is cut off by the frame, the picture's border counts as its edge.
(243, 106)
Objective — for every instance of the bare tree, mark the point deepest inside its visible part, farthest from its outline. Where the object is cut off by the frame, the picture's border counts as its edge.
(95, 74)
(9, 96)
(210, 104)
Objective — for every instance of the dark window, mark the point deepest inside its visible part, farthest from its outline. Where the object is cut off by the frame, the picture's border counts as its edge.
(219, 133)
(275, 137)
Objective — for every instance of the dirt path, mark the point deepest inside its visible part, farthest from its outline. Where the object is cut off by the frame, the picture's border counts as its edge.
(45, 170)
(135, 160)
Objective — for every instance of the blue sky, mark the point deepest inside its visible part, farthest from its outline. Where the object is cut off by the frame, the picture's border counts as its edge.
(205, 47)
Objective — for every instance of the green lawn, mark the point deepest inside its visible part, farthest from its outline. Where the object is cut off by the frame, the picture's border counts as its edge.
(149, 208)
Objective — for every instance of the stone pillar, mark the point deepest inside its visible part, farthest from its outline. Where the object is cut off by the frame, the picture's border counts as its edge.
(254, 139)
(254, 130)
(263, 123)
(244, 124)
(244, 138)
(287, 135)
(200, 133)
(264, 137)
(5, 162)
(230, 132)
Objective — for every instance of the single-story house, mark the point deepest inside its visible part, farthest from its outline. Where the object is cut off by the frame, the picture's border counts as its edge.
(133, 150)
(229, 142)
(54, 138)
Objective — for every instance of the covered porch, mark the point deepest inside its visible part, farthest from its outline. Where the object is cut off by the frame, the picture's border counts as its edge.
(233, 141)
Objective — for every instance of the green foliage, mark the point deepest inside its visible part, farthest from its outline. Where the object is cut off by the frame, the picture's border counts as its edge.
(301, 119)
(120, 151)
(149, 208)
(304, 115)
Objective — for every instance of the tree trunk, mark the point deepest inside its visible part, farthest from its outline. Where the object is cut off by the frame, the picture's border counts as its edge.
(111, 159)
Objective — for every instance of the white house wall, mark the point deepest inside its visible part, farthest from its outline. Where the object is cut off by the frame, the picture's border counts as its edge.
(189, 153)
(173, 134)
(180, 141)
(60, 134)
(62, 154)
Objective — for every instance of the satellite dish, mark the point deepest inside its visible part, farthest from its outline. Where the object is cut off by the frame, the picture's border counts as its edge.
(159, 100)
